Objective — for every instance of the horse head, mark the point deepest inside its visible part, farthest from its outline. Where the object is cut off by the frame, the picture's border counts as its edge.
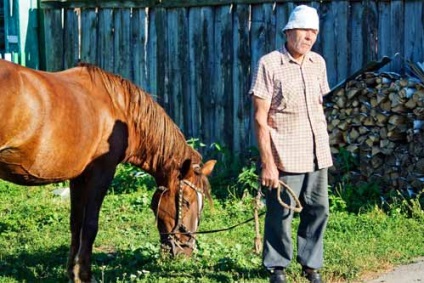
(178, 207)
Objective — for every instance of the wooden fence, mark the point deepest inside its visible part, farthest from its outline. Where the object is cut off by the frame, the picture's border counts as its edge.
(197, 57)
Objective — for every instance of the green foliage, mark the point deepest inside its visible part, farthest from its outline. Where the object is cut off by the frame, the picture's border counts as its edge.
(401, 204)
(248, 179)
(346, 160)
(234, 173)
(129, 178)
(195, 143)
(347, 197)
(337, 203)
(246, 184)
(228, 164)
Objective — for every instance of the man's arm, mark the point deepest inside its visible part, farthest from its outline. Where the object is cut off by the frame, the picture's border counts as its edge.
(269, 174)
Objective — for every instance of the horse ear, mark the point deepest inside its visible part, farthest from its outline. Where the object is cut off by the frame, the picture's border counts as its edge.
(208, 167)
(185, 168)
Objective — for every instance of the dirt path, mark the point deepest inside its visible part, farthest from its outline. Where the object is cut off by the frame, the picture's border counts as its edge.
(409, 273)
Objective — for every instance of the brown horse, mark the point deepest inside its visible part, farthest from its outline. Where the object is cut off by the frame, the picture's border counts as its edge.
(78, 125)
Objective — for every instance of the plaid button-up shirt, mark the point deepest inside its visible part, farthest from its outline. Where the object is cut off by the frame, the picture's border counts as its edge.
(298, 129)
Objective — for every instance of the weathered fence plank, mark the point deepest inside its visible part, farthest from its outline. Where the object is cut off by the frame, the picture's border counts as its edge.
(241, 79)
(328, 39)
(196, 42)
(355, 48)
(414, 31)
(341, 31)
(206, 94)
(223, 110)
(384, 35)
(71, 39)
(161, 57)
(397, 31)
(89, 30)
(122, 43)
(177, 65)
(106, 39)
(138, 46)
(152, 58)
(371, 29)
(53, 34)
(261, 27)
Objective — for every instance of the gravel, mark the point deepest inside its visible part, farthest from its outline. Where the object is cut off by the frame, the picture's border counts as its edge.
(409, 273)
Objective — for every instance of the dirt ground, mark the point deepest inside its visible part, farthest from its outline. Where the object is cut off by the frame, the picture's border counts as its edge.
(409, 273)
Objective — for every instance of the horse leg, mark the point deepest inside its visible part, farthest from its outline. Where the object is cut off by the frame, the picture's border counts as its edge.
(78, 201)
(87, 194)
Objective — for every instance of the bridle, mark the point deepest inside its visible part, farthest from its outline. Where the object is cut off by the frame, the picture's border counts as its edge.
(174, 243)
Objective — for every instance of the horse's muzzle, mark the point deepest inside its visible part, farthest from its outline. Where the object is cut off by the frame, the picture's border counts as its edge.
(174, 246)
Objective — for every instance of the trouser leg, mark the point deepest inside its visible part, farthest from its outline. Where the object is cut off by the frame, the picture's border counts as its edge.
(278, 247)
(313, 219)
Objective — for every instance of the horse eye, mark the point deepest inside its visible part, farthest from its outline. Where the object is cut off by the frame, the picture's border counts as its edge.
(186, 203)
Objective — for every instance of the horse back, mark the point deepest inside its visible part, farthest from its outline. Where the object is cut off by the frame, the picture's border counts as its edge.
(52, 125)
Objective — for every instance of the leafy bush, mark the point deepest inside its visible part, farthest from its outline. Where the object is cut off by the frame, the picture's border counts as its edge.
(234, 172)
(129, 178)
(345, 196)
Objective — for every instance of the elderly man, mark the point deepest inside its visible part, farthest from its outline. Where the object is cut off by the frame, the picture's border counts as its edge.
(291, 130)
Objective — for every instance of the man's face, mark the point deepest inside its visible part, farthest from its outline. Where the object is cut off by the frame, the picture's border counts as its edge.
(300, 41)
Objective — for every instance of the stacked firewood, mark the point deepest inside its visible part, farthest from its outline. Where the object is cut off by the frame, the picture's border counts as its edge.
(379, 119)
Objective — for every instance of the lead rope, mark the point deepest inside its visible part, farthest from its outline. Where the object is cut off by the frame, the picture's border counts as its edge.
(256, 207)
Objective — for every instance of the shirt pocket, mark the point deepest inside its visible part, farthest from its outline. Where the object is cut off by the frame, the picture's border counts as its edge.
(291, 93)
(279, 101)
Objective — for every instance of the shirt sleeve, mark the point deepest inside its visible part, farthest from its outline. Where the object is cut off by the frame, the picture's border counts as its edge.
(262, 83)
(325, 88)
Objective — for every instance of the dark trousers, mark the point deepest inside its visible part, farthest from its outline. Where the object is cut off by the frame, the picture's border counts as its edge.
(312, 190)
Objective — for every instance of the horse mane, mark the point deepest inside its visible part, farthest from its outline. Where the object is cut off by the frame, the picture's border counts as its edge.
(161, 144)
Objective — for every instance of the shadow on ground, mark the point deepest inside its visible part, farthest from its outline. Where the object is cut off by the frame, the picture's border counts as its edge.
(50, 266)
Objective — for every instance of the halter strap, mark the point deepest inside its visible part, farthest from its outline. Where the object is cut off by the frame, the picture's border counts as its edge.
(191, 185)
(179, 217)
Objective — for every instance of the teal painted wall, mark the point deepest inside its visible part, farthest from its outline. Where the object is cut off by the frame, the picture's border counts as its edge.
(21, 32)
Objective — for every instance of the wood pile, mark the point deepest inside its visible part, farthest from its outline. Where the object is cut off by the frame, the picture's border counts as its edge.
(379, 119)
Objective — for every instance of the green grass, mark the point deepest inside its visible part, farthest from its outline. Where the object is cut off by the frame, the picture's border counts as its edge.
(34, 241)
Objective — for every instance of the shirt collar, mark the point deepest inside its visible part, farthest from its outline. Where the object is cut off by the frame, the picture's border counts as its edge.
(286, 57)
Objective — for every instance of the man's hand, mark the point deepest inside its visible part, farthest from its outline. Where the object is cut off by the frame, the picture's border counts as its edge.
(269, 176)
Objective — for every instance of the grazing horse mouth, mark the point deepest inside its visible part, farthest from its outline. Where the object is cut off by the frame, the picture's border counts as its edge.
(173, 245)
(172, 242)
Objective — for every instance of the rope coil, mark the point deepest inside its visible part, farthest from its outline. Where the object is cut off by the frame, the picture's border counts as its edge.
(298, 206)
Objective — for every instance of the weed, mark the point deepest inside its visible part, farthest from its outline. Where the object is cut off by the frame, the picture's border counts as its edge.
(410, 205)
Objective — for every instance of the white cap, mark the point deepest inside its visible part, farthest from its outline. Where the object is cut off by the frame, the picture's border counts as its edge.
(303, 17)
